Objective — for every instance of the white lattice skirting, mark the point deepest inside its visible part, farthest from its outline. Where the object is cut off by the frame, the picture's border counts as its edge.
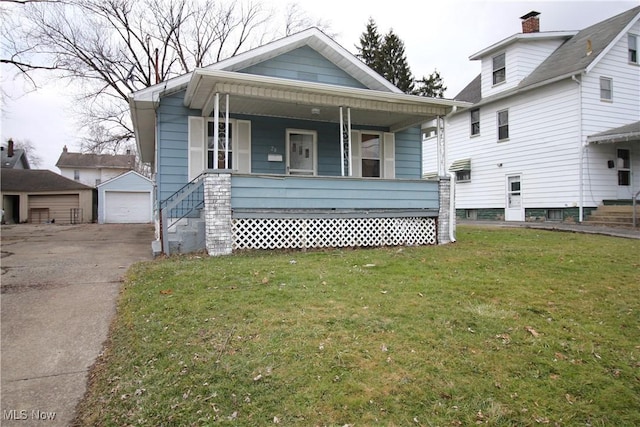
(285, 233)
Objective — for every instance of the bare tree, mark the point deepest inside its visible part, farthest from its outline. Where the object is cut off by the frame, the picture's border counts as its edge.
(107, 49)
(35, 161)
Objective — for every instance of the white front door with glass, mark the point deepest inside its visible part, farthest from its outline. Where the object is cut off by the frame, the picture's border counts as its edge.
(623, 166)
(301, 152)
(514, 210)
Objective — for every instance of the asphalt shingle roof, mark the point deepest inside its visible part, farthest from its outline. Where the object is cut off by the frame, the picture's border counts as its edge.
(19, 155)
(37, 180)
(97, 161)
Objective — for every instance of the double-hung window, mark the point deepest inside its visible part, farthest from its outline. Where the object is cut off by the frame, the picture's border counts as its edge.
(633, 48)
(606, 89)
(371, 151)
(499, 69)
(503, 125)
(475, 121)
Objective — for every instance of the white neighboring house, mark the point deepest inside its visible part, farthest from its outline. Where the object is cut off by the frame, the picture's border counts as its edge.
(93, 169)
(554, 129)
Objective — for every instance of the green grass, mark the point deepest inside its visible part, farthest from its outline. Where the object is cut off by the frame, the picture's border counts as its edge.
(504, 327)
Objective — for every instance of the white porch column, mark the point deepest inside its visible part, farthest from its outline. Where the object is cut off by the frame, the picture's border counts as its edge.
(345, 143)
(226, 134)
(216, 132)
(441, 154)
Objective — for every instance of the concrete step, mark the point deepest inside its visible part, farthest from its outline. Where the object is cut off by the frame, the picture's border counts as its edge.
(188, 237)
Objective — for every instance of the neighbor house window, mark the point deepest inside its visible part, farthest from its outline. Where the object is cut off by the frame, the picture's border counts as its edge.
(503, 125)
(225, 157)
(475, 121)
(464, 175)
(606, 89)
(499, 69)
(371, 149)
(633, 48)
(76, 175)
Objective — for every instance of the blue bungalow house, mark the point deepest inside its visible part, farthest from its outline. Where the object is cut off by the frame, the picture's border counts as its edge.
(294, 144)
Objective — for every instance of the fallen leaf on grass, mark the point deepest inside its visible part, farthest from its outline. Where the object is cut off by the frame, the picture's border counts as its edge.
(265, 280)
(569, 398)
(166, 291)
(532, 331)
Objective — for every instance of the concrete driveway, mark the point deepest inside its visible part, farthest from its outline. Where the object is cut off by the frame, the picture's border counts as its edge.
(59, 289)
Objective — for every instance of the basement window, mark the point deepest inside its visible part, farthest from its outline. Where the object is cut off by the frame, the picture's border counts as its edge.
(554, 214)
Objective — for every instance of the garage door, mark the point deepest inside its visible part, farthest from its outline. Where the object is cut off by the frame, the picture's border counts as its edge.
(47, 208)
(127, 207)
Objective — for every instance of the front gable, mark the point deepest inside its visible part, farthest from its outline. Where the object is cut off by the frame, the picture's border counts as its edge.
(304, 64)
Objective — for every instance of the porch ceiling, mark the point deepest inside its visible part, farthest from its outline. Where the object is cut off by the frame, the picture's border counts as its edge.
(269, 96)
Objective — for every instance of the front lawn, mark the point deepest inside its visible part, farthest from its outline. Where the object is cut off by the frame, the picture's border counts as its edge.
(505, 327)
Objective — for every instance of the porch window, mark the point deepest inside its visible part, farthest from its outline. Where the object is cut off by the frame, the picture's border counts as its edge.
(475, 121)
(370, 155)
(499, 69)
(503, 125)
(633, 48)
(606, 89)
(221, 162)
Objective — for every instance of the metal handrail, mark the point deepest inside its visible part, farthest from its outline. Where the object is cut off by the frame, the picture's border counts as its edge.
(172, 202)
(194, 180)
(635, 197)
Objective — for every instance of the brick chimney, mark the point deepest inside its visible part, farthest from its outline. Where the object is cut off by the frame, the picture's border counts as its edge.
(10, 148)
(531, 22)
(64, 149)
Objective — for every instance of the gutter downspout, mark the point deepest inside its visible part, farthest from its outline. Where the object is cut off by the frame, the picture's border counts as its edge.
(452, 188)
(581, 154)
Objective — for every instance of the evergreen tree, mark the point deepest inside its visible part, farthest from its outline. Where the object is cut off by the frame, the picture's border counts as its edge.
(432, 86)
(394, 63)
(386, 56)
(370, 45)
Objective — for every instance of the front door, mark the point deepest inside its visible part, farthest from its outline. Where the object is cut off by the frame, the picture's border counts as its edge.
(514, 210)
(623, 165)
(301, 152)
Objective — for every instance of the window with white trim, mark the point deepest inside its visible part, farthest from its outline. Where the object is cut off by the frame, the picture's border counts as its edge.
(475, 121)
(606, 89)
(503, 125)
(499, 69)
(370, 154)
(632, 41)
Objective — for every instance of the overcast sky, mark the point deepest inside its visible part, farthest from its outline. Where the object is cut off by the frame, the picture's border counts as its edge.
(437, 35)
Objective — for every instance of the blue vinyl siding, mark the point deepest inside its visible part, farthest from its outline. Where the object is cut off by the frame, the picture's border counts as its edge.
(173, 134)
(253, 192)
(127, 182)
(409, 154)
(305, 64)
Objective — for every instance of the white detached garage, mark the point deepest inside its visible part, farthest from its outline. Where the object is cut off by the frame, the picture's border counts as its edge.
(127, 198)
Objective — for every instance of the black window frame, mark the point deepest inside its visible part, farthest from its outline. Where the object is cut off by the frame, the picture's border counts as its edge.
(503, 128)
(475, 122)
(499, 71)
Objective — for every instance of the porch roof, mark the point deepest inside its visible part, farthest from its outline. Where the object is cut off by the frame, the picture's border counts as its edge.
(270, 96)
(626, 133)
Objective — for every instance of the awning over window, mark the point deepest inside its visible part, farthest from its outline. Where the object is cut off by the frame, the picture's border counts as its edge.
(630, 132)
(460, 165)
(430, 175)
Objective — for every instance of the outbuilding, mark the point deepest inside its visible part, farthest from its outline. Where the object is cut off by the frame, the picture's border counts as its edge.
(127, 198)
(42, 196)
